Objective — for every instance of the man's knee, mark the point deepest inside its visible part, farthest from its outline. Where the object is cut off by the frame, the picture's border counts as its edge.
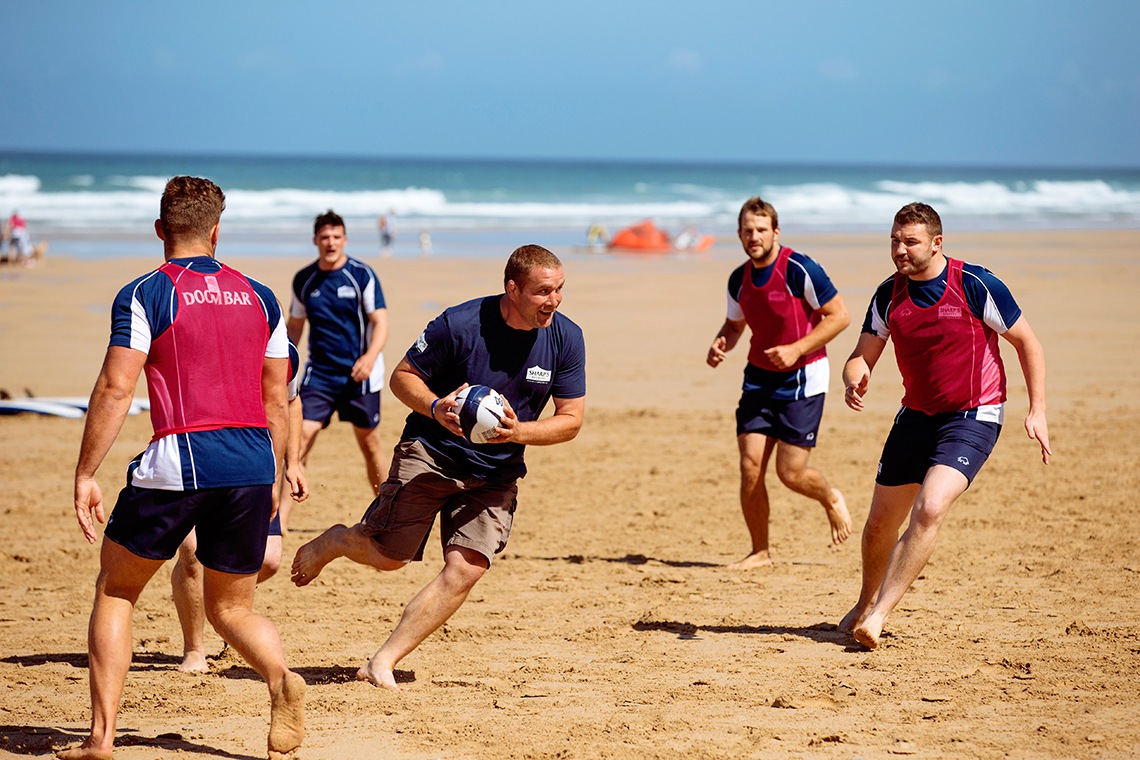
(464, 567)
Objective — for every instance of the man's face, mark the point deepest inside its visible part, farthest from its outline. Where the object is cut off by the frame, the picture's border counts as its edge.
(537, 298)
(329, 241)
(757, 235)
(913, 248)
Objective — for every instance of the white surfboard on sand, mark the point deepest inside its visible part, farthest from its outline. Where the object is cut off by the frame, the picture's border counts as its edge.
(72, 407)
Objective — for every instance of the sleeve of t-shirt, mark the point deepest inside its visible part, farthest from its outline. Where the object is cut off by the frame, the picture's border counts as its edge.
(733, 312)
(807, 280)
(297, 308)
(278, 345)
(989, 298)
(433, 350)
(875, 323)
(142, 311)
(373, 294)
(570, 377)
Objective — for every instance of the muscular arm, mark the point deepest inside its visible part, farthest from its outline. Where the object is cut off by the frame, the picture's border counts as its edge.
(294, 473)
(363, 366)
(725, 341)
(834, 320)
(561, 427)
(110, 400)
(295, 326)
(274, 374)
(1032, 358)
(857, 370)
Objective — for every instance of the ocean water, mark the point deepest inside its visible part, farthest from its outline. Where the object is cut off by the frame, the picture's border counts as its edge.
(106, 204)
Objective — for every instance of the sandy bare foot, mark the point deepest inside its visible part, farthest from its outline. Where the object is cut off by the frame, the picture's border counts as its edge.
(381, 677)
(287, 717)
(757, 559)
(313, 556)
(867, 635)
(82, 752)
(193, 662)
(854, 618)
(839, 518)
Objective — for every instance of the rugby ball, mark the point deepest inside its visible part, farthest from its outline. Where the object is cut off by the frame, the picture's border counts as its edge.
(480, 409)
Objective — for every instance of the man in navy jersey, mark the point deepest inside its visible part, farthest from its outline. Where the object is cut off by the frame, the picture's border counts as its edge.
(516, 343)
(792, 310)
(944, 317)
(342, 301)
(213, 345)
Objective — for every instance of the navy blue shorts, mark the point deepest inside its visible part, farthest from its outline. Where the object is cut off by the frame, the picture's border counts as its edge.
(795, 422)
(918, 441)
(362, 411)
(232, 524)
(275, 525)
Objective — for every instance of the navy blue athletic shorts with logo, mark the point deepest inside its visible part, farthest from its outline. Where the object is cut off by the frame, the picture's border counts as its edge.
(919, 441)
(362, 411)
(795, 422)
(232, 524)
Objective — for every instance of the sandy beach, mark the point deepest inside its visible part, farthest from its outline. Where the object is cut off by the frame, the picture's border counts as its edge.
(610, 627)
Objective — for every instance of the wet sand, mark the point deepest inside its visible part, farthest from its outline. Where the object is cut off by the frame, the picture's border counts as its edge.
(610, 627)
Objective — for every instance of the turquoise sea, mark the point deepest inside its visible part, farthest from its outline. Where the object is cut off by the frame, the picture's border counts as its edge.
(97, 204)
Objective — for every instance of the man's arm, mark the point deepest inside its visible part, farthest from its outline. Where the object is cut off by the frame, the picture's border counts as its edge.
(725, 341)
(833, 321)
(857, 370)
(295, 326)
(561, 427)
(294, 473)
(110, 401)
(410, 387)
(1032, 358)
(274, 378)
(363, 366)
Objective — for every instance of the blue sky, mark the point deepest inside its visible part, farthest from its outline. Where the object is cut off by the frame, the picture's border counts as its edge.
(1007, 82)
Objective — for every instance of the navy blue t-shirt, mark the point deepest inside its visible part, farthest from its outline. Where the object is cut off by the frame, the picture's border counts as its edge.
(471, 343)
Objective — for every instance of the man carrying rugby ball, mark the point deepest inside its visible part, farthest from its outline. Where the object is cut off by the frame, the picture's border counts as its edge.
(516, 343)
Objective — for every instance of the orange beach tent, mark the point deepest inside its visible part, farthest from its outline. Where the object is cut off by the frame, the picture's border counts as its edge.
(643, 236)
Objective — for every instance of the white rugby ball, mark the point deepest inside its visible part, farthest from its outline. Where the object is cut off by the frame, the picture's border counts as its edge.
(480, 410)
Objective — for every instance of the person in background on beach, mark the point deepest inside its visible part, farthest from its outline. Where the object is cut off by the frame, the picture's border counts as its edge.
(425, 243)
(944, 317)
(516, 343)
(187, 577)
(19, 243)
(387, 234)
(793, 310)
(226, 333)
(343, 302)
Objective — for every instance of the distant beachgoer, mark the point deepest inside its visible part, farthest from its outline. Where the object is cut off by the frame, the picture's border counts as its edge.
(18, 240)
(944, 317)
(187, 577)
(597, 237)
(788, 302)
(517, 343)
(387, 235)
(213, 345)
(341, 299)
(425, 243)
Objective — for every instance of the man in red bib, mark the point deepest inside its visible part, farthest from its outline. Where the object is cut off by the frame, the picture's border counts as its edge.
(944, 317)
(787, 301)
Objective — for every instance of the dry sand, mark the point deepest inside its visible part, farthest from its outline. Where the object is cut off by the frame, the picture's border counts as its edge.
(610, 627)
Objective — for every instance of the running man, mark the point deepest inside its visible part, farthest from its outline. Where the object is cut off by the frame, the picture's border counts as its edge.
(943, 317)
(342, 301)
(214, 349)
(516, 343)
(793, 311)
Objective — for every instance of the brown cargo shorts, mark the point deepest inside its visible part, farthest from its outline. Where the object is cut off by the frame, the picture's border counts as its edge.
(472, 513)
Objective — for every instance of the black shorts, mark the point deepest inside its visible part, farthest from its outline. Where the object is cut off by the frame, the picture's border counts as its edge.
(362, 411)
(232, 524)
(918, 441)
(795, 422)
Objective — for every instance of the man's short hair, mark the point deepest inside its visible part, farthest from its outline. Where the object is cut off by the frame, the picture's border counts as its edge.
(920, 213)
(325, 219)
(760, 207)
(189, 209)
(526, 258)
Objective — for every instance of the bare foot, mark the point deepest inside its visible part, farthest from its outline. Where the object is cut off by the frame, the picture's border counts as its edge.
(194, 662)
(313, 556)
(287, 717)
(756, 559)
(839, 518)
(83, 752)
(854, 618)
(868, 635)
(377, 676)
